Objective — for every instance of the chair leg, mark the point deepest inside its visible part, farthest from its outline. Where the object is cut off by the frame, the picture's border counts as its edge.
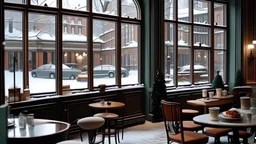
(217, 140)
(81, 136)
(115, 131)
(109, 140)
(245, 140)
(118, 136)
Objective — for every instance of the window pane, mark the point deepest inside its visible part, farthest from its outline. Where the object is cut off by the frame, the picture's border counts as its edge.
(46, 3)
(184, 35)
(129, 68)
(169, 11)
(42, 47)
(201, 66)
(75, 53)
(202, 36)
(220, 63)
(104, 52)
(220, 39)
(16, 1)
(129, 9)
(184, 66)
(184, 10)
(220, 11)
(13, 49)
(108, 7)
(80, 5)
(169, 53)
(201, 11)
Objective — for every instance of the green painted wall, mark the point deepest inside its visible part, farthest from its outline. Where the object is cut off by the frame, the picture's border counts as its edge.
(235, 51)
(3, 124)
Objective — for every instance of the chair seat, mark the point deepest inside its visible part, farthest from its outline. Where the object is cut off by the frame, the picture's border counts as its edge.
(106, 115)
(190, 111)
(217, 132)
(189, 137)
(241, 134)
(90, 123)
(191, 126)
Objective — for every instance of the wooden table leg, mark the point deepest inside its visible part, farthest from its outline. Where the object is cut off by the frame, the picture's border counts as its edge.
(205, 109)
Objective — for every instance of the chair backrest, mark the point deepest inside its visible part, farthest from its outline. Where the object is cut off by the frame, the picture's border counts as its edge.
(172, 118)
(238, 92)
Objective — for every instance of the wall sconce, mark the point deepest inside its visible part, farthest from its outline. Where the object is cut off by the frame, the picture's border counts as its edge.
(251, 57)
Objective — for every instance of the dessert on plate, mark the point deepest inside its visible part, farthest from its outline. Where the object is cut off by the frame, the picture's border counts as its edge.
(232, 114)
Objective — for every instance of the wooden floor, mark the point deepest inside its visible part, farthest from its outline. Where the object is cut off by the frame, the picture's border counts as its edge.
(148, 133)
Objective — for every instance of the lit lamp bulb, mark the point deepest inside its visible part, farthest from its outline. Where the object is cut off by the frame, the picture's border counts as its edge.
(77, 54)
(65, 54)
(84, 54)
(251, 46)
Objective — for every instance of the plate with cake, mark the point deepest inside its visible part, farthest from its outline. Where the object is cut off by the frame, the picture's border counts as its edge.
(232, 115)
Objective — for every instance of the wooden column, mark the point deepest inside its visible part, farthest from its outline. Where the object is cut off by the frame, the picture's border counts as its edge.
(2, 85)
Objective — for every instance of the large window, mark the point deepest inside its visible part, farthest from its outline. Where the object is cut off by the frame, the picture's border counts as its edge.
(88, 48)
(195, 41)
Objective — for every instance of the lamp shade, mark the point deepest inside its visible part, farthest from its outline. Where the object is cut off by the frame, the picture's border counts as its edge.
(251, 46)
(254, 42)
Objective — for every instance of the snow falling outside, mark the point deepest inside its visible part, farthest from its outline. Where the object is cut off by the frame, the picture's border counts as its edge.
(39, 85)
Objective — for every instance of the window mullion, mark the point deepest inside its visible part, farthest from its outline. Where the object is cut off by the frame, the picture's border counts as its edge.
(192, 42)
(2, 81)
(212, 42)
(25, 50)
(90, 47)
(176, 50)
(118, 45)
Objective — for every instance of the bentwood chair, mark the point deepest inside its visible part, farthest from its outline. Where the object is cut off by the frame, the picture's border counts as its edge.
(238, 92)
(172, 115)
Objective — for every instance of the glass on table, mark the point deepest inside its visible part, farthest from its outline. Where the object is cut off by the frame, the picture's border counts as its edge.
(10, 119)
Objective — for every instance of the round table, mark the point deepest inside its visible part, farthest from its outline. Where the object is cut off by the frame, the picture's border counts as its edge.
(104, 105)
(204, 120)
(44, 131)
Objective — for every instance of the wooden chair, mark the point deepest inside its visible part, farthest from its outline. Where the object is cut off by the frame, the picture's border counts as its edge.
(189, 125)
(174, 126)
(238, 92)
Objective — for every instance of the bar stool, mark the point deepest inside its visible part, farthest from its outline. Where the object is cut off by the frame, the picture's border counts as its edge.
(91, 124)
(109, 117)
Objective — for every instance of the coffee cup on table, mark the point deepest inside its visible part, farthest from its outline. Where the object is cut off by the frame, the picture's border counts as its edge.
(224, 92)
(245, 103)
(204, 93)
(211, 94)
(218, 92)
(214, 113)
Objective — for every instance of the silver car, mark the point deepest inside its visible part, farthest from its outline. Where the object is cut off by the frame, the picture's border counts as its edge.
(48, 71)
(108, 70)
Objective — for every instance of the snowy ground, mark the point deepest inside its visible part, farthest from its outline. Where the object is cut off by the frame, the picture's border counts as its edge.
(39, 85)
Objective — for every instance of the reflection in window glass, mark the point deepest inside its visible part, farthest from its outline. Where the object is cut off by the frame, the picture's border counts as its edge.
(220, 11)
(108, 7)
(129, 70)
(80, 5)
(42, 52)
(46, 3)
(104, 52)
(201, 36)
(201, 66)
(219, 39)
(184, 35)
(219, 63)
(169, 53)
(184, 10)
(129, 9)
(184, 57)
(13, 49)
(75, 55)
(201, 11)
(16, 1)
(169, 9)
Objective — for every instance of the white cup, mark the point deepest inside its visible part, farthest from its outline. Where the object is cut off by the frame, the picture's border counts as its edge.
(245, 103)
(214, 113)
(211, 94)
(218, 92)
(224, 92)
(204, 93)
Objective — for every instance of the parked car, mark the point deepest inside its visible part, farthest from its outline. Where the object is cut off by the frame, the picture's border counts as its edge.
(48, 71)
(103, 71)
(200, 73)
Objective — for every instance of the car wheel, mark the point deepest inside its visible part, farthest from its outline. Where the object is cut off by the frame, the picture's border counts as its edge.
(52, 76)
(34, 74)
(123, 75)
(72, 77)
(111, 75)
